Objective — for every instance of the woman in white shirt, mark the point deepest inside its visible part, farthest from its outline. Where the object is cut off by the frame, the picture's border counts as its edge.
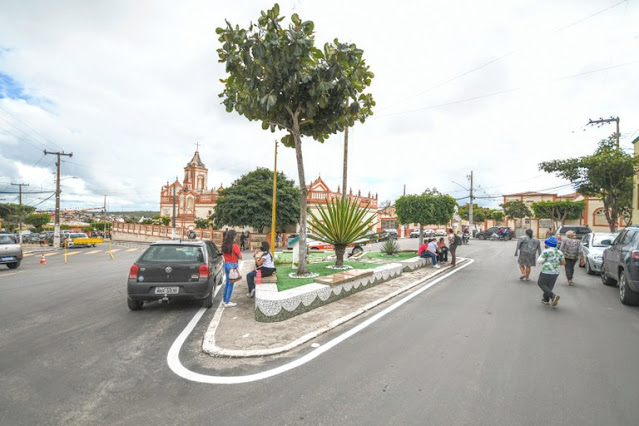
(264, 263)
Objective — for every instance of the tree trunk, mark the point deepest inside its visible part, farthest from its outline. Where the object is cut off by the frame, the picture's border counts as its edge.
(345, 165)
(339, 255)
(421, 235)
(301, 268)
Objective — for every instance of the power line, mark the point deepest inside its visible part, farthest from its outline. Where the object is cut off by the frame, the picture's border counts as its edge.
(32, 129)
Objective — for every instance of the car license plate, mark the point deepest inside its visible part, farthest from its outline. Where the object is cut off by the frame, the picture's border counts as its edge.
(166, 290)
(7, 258)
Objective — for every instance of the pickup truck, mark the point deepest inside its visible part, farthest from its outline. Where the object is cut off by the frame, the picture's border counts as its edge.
(10, 251)
(80, 239)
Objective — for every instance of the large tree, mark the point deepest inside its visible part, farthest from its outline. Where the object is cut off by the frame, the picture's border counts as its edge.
(277, 76)
(249, 201)
(479, 213)
(606, 174)
(38, 220)
(10, 214)
(558, 211)
(516, 209)
(425, 210)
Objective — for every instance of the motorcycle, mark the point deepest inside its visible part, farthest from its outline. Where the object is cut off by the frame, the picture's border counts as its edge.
(465, 238)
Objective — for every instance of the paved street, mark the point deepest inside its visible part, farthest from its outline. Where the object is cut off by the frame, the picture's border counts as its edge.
(478, 348)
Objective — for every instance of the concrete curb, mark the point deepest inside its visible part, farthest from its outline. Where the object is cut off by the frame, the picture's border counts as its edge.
(209, 346)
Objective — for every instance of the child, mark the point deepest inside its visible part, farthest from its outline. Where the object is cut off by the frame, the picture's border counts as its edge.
(551, 259)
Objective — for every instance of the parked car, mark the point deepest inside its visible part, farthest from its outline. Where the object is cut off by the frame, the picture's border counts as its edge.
(621, 265)
(176, 270)
(389, 234)
(10, 251)
(441, 232)
(592, 248)
(428, 233)
(488, 233)
(579, 230)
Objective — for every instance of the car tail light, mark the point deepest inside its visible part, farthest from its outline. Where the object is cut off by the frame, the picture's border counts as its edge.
(635, 255)
(204, 271)
(133, 272)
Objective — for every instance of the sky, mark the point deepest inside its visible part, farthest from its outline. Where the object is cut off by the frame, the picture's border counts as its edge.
(493, 87)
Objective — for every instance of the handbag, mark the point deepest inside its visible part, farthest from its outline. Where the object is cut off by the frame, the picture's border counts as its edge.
(234, 275)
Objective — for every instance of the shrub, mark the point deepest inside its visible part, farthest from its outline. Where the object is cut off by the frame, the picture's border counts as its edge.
(390, 248)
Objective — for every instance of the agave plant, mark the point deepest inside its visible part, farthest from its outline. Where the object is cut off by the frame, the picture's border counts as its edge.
(390, 248)
(340, 223)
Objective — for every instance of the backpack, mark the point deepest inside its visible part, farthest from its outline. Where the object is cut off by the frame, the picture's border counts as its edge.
(571, 248)
(457, 240)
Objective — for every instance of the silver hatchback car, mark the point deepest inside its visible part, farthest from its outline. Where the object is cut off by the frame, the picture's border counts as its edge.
(592, 247)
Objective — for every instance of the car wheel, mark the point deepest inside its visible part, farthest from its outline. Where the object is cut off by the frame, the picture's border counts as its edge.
(356, 250)
(134, 305)
(13, 265)
(626, 295)
(589, 270)
(481, 237)
(604, 277)
(208, 300)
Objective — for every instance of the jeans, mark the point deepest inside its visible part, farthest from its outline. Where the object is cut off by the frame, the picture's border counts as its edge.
(228, 289)
(453, 249)
(250, 277)
(570, 268)
(430, 255)
(546, 283)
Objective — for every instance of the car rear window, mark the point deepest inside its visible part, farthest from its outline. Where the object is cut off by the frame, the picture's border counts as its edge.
(179, 254)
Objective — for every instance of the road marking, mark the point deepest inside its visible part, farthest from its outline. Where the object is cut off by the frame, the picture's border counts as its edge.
(28, 254)
(9, 273)
(53, 253)
(115, 250)
(93, 251)
(173, 357)
(131, 249)
(73, 253)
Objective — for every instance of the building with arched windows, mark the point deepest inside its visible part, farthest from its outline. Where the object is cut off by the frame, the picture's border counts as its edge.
(193, 198)
(593, 216)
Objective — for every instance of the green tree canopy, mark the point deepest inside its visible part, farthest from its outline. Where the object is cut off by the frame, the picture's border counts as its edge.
(10, 214)
(607, 174)
(558, 211)
(497, 215)
(249, 201)
(479, 213)
(425, 210)
(202, 223)
(38, 220)
(277, 76)
(516, 209)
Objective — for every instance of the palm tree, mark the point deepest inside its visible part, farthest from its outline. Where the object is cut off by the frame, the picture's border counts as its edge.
(341, 223)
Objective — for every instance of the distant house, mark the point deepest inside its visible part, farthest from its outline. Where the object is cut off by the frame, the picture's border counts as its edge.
(593, 215)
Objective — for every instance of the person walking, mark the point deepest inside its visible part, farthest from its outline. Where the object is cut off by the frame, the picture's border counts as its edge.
(264, 263)
(453, 241)
(232, 254)
(242, 241)
(528, 249)
(551, 259)
(570, 247)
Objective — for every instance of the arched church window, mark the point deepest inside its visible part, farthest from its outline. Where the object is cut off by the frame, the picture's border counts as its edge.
(200, 182)
(189, 203)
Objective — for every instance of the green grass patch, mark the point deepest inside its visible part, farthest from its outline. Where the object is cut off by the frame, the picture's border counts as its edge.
(284, 282)
(399, 256)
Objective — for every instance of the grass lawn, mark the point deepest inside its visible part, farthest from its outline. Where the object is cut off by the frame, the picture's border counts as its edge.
(284, 282)
(397, 256)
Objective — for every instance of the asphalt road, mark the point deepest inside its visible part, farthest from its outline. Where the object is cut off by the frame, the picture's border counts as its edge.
(478, 348)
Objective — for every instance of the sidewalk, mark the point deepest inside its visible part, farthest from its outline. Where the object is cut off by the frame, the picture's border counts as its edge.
(233, 332)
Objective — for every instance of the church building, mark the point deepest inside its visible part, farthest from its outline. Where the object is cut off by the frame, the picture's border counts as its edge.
(193, 199)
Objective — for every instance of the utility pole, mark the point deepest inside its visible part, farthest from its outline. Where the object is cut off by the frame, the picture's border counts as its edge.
(104, 215)
(56, 229)
(607, 120)
(470, 206)
(20, 185)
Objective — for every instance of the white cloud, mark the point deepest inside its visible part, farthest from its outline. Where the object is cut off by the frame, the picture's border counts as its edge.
(129, 87)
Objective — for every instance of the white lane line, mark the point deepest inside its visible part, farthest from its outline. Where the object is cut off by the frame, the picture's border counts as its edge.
(173, 357)
(73, 253)
(131, 249)
(9, 273)
(92, 252)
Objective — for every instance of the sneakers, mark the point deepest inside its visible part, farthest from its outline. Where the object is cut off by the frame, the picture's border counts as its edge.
(436, 266)
(251, 293)
(545, 302)
(228, 305)
(555, 300)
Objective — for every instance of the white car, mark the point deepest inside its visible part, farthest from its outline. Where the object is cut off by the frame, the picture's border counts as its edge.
(592, 248)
